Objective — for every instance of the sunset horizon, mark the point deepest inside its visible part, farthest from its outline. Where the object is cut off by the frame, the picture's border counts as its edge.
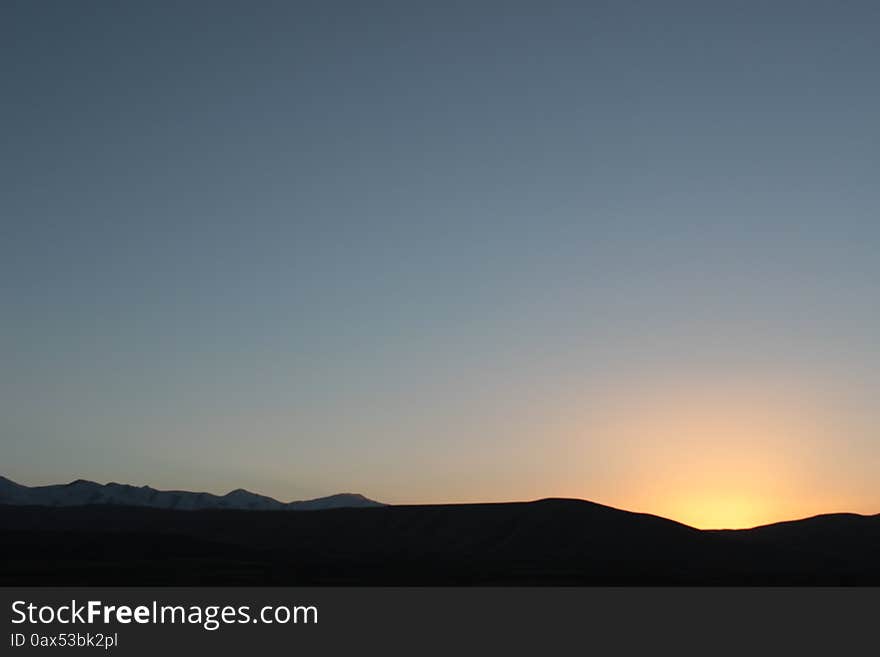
(371, 255)
(704, 512)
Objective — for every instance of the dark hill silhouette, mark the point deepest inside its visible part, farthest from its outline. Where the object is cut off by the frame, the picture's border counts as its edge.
(845, 543)
(553, 541)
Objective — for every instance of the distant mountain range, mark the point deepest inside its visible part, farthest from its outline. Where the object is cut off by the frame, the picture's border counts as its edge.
(86, 493)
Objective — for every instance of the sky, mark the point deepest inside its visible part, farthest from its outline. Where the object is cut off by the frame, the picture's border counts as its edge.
(446, 251)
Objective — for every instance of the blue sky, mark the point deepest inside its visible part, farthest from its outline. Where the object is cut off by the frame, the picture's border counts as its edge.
(410, 249)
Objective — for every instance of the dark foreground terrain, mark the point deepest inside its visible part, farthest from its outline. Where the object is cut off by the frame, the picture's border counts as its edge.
(549, 542)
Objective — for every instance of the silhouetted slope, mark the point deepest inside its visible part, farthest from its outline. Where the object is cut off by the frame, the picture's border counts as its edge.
(845, 543)
(545, 542)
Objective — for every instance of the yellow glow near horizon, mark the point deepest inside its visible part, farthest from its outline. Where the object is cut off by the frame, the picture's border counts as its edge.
(712, 457)
(725, 512)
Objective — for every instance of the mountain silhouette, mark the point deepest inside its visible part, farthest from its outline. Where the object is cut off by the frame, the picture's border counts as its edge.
(546, 542)
(82, 492)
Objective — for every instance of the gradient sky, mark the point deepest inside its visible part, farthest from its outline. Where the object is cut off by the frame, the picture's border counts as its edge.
(447, 251)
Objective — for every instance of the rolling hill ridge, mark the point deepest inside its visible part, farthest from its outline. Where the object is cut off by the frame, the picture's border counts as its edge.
(546, 542)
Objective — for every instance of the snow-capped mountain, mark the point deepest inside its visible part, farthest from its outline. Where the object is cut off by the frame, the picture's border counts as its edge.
(82, 493)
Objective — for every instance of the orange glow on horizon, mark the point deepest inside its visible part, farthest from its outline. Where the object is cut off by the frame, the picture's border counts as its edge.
(713, 457)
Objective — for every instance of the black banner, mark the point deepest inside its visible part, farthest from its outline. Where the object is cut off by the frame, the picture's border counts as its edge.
(416, 621)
